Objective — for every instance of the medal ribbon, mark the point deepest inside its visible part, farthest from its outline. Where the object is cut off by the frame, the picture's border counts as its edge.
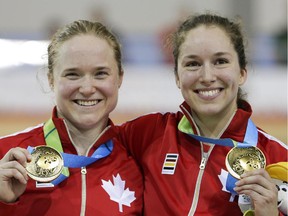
(250, 139)
(52, 139)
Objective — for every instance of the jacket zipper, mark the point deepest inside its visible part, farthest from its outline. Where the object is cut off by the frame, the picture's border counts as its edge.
(202, 166)
(83, 194)
(83, 178)
(84, 171)
(203, 161)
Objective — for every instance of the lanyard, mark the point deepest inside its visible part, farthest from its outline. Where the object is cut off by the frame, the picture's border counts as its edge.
(250, 139)
(52, 139)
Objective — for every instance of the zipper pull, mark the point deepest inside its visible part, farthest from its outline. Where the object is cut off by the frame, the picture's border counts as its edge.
(83, 170)
(203, 163)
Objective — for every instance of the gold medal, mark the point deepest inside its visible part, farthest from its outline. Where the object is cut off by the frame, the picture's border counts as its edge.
(241, 160)
(46, 164)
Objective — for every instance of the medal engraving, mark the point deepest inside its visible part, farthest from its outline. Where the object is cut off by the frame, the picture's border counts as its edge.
(46, 164)
(241, 160)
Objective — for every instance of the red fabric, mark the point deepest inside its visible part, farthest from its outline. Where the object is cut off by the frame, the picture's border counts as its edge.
(149, 138)
(65, 198)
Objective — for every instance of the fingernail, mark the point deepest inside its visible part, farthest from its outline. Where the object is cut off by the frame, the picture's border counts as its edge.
(29, 158)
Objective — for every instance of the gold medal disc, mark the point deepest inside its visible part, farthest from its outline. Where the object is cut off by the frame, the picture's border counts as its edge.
(241, 160)
(46, 164)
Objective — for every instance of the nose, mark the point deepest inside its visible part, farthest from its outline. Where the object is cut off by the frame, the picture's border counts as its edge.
(87, 86)
(207, 74)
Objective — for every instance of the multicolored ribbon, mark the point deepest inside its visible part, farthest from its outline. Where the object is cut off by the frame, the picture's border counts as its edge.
(52, 139)
(250, 139)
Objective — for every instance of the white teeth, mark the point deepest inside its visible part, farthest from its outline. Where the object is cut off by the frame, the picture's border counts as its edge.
(209, 93)
(87, 103)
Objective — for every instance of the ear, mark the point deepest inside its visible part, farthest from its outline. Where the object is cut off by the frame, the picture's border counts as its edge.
(177, 80)
(121, 75)
(243, 77)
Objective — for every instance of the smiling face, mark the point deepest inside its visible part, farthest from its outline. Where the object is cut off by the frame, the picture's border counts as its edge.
(85, 81)
(208, 72)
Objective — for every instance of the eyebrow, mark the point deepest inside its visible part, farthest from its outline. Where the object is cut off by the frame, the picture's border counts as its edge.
(96, 68)
(102, 67)
(215, 54)
(222, 53)
(190, 56)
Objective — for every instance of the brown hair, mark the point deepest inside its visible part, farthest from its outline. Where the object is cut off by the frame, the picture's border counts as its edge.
(77, 28)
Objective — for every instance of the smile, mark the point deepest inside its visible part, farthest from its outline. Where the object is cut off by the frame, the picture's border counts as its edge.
(209, 93)
(87, 103)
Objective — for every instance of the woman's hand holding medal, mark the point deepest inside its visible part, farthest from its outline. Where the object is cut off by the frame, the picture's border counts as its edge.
(13, 175)
(248, 165)
(260, 187)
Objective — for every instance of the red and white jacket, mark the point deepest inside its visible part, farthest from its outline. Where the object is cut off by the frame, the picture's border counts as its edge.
(82, 192)
(193, 187)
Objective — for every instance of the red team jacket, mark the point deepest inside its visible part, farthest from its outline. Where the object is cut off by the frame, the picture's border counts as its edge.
(192, 186)
(79, 194)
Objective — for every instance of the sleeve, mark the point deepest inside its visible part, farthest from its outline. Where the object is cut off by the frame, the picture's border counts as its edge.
(137, 135)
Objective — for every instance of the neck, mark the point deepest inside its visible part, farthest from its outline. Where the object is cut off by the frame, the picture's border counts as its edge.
(83, 139)
(213, 126)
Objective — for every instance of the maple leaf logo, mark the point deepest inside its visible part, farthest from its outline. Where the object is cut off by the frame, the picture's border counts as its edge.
(118, 193)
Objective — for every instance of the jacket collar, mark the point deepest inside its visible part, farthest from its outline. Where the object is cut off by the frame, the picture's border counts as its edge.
(236, 129)
(109, 131)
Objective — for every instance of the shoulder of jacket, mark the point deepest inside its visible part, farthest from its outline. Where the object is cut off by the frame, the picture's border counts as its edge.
(156, 116)
(271, 138)
(24, 134)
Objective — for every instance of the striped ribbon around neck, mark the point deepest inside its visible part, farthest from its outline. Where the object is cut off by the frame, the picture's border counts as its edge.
(52, 139)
